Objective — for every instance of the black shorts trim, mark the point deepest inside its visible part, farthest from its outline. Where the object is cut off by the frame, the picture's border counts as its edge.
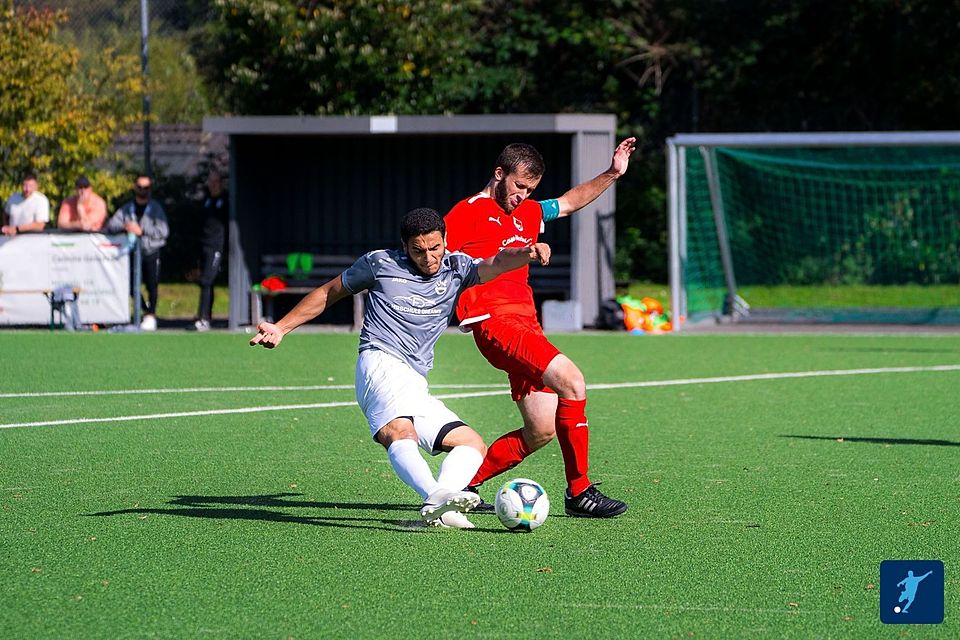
(444, 430)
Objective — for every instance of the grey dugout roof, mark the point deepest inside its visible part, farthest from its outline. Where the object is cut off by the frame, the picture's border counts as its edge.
(390, 162)
(345, 125)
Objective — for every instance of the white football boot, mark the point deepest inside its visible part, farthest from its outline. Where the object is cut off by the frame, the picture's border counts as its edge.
(452, 520)
(443, 501)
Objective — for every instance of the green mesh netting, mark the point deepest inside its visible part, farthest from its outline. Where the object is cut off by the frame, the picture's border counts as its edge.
(866, 216)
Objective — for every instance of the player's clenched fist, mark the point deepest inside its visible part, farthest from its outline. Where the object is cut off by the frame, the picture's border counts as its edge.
(268, 335)
(540, 252)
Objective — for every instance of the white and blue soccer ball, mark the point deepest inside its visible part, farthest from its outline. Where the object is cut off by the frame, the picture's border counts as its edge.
(522, 505)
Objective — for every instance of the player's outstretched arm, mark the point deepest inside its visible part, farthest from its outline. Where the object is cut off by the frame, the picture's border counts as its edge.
(270, 334)
(583, 194)
(513, 258)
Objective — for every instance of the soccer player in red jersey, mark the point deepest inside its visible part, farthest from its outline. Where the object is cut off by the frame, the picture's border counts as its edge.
(547, 386)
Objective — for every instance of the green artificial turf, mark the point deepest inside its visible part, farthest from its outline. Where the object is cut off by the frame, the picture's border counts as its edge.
(905, 296)
(758, 508)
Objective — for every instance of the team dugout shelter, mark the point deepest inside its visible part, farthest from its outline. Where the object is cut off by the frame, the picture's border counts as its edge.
(309, 195)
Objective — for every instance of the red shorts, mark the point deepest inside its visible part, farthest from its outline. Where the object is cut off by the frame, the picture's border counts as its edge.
(516, 344)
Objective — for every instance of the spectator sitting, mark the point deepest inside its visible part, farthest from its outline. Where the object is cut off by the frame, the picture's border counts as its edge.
(85, 211)
(26, 211)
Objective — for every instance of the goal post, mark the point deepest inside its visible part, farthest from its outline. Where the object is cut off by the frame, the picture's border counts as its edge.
(792, 226)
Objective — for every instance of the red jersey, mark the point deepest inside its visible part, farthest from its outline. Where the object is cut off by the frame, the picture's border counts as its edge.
(478, 227)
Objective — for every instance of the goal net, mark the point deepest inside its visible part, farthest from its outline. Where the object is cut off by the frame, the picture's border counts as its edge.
(815, 227)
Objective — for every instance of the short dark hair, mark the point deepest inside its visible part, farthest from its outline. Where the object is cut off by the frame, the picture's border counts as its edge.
(523, 157)
(419, 222)
(82, 182)
(29, 175)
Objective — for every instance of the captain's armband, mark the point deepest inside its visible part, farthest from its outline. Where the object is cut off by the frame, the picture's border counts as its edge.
(550, 209)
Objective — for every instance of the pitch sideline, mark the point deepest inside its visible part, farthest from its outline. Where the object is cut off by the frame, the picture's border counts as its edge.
(137, 392)
(472, 394)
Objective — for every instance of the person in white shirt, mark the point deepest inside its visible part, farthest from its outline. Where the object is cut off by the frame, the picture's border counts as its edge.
(27, 211)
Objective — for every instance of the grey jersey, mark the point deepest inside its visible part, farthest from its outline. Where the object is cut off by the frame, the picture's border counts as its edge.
(406, 312)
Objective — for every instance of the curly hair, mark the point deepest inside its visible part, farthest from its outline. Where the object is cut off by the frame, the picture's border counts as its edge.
(419, 222)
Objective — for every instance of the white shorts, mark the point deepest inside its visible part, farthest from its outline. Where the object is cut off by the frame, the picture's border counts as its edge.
(389, 388)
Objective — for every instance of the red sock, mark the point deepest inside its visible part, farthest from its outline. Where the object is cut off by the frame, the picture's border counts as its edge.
(506, 452)
(573, 434)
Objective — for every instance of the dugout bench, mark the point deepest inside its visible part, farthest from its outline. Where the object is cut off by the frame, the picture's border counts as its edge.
(302, 273)
(553, 281)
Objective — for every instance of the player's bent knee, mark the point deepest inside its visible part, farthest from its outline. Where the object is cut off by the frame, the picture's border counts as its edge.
(538, 436)
(564, 377)
(578, 386)
(472, 439)
(397, 429)
(464, 436)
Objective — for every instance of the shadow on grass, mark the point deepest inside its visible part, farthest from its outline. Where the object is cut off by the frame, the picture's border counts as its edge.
(251, 508)
(914, 441)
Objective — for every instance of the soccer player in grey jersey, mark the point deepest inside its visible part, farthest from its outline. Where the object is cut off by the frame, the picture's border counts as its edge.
(411, 295)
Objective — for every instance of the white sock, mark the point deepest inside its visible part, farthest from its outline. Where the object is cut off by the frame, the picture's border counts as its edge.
(411, 467)
(459, 467)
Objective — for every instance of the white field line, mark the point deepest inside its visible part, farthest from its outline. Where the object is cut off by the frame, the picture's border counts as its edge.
(478, 394)
(682, 608)
(138, 392)
(777, 376)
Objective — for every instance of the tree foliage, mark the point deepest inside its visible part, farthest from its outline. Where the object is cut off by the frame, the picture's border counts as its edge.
(662, 66)
(177, 91)
(539, 56)
(171, 16)
(55, 120)
(345, 57)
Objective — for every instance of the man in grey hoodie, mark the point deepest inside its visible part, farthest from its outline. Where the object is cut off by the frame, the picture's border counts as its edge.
(145, 218)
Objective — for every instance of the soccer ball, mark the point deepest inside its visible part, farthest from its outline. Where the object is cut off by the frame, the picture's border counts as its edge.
(522, 505)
